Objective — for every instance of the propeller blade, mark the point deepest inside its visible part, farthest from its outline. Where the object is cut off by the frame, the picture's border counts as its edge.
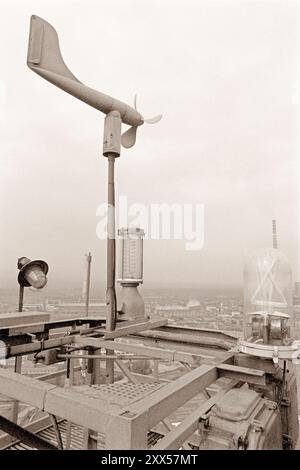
(153, 120)
(129, 137)
(135, 99)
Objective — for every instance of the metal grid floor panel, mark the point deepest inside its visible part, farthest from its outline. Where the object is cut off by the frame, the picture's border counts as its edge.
(121, 394)
(77, 435)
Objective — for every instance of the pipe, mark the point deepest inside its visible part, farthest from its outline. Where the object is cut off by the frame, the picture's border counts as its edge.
(111, 249)
(21, 297)
(100, 357)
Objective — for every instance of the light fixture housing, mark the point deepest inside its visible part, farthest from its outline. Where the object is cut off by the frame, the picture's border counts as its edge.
(32, 273)
(131, 262)
(268, 306)
(131, 274)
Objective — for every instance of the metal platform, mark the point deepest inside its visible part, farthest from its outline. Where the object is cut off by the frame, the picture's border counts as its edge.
(134, 413)
(124, 412)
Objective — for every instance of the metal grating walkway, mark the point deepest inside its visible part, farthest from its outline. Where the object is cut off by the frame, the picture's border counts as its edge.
(121, 394)
(49, 435)
(77, 434)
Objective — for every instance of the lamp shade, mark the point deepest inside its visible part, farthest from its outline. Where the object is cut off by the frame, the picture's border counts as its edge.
(32, 273)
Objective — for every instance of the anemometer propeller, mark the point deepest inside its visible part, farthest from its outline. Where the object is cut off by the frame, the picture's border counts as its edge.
(45, 59)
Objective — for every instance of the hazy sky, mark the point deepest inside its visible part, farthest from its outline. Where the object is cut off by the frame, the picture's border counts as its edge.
(225, 76)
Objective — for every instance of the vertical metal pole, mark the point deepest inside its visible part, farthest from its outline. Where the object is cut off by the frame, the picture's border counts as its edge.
(68, 383)
(111, 262)
(111, 150)
(15, 406)
(111, 248)
(18, 360)
(88, 442)
(90, 368)
(155, 369)
(88, 281)
(21, 298)
(96, 368)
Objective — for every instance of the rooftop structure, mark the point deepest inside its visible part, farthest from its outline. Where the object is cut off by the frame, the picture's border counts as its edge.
(136, 412)
(116, 385)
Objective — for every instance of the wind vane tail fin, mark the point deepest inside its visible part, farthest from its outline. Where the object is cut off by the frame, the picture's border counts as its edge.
(43, 49)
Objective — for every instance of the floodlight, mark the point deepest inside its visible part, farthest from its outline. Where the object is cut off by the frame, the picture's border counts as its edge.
(32, 273)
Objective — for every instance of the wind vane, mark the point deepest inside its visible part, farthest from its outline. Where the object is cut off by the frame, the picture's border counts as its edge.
(45, 59)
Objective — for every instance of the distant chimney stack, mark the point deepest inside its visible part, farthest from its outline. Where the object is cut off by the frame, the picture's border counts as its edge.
(297, 289)
(274, 230)
(86, 283)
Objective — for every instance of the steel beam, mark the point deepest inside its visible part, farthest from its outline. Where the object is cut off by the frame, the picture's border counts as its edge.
(81, 409)
(15, 406)
(123, 367)
(266, 365)
(244, 374)
(208, 355)
(25, 436)
(23, 388)
(135, 328)
(164, 401)
(176, 437)
(9, 320)
(207, 332)
(15, 326)
(34, 346)
(126, 431)
(158, 353)
(186, 337)
(57, 432)
(55, 375)
(34, 427)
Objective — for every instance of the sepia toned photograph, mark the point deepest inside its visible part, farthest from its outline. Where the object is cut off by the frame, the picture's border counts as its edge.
(150, 228)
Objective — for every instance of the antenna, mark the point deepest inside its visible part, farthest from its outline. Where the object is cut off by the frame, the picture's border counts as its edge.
(274, 231)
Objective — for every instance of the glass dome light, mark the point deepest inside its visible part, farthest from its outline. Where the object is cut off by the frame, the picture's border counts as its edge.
(268, 305)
